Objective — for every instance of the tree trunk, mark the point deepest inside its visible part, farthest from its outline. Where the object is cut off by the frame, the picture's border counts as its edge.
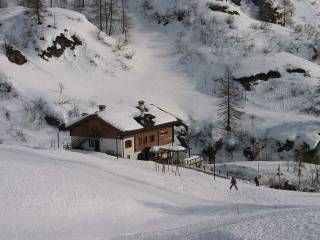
(111, 16)
(100, 14)
(123, 17)
(106, 15)
(38, 11)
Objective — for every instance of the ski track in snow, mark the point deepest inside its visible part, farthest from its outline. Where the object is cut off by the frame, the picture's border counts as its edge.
(68, 195)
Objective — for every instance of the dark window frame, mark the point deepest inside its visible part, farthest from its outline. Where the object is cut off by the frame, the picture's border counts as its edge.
(128, 144)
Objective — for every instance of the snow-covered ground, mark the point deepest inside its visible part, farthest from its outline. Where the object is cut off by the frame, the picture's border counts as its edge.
(268, 172)
(173, 66)
(47, 194)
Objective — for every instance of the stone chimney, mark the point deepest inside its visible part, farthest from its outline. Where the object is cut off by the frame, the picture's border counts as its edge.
(102, 108)
(141, 108)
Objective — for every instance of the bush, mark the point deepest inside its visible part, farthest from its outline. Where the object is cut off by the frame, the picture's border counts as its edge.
(230, 21)
(37, 110)
(254, 26)
(265, 26)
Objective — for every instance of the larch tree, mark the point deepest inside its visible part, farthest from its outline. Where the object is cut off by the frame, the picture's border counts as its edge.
(229, 104)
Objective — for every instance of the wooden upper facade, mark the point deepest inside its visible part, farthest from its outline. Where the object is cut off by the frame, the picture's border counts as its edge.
(153, 137)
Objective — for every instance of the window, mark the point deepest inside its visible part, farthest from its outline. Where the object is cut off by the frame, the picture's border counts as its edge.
(163, 133)
(128, 144)
(145, 139)
(152, 138)
(140, 141)
(91, 143)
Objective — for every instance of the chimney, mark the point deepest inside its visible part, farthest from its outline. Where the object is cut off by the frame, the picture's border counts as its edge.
(142, 108)
(102, 108)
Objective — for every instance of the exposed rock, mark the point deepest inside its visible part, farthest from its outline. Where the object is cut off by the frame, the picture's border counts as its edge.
(316, 54)
(52, 121)
(267, 11)
(296, 70)
(179, 15)
(236, 2)
(221, 8)
(14, 55)
(287, 146)
(76, 41)
(60, 44)
(247, 82)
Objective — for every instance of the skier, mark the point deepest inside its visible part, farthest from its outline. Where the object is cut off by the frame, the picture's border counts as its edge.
(256, 180)
(233, 183)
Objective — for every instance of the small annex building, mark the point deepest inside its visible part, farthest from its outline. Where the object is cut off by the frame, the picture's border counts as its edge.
(128, 132)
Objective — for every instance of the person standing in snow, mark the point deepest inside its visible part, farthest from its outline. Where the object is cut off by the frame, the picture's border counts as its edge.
(233, 183)
(256, 180)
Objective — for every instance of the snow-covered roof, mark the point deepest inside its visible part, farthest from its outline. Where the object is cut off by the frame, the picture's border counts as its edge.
(173, 148)
(123, 117)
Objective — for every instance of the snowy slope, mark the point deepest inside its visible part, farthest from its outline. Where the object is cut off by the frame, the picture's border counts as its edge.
(176, 66)
(207, 41)
(95, 73)
(64, 195)
(268, 171)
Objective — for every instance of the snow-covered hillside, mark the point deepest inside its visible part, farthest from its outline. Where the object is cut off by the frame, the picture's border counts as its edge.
(176, 57)
(48, 194)
(268, 172)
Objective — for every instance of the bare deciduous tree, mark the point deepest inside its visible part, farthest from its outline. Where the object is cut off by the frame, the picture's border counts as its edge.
(36, 6)
(288, 10)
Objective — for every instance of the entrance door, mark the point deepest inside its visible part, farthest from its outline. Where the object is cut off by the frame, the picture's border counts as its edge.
(147, 155)
(97, 145)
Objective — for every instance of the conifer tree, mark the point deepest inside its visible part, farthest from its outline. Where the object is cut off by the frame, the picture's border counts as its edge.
(229, 105)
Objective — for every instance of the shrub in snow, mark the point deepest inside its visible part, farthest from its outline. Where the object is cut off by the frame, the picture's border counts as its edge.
(254, 26)
(6, 89)
(146, 6)
(17, 134)
(119, 44)
(265, 26)
(129, 54)
(37, 110)
(74, 112)
(230, 21)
